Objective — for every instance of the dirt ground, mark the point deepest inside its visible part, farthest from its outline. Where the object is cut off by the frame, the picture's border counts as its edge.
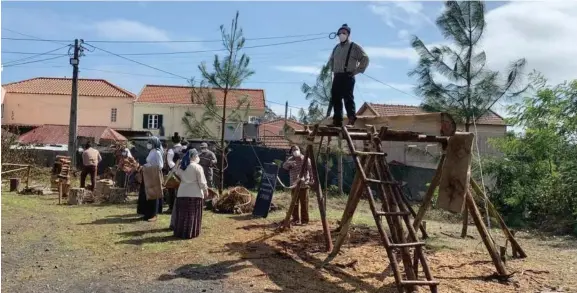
(48, 247)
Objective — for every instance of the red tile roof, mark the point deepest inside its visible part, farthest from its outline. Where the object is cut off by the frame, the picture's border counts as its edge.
(172, 94)
(63, 86)
(58, 134)
(271, 136)
(491, 118)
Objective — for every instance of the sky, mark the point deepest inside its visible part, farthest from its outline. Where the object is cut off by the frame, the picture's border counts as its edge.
(542, 32)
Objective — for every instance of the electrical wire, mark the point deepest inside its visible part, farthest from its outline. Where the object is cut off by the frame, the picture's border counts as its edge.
(37, 55)
(138, 62)
(219, 50)
(60, 42)
(33, 61)
(162, 42)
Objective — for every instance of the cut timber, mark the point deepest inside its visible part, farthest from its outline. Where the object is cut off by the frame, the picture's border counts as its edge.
(456, 173)
(444, 124)
(79, 196)
(117, 195)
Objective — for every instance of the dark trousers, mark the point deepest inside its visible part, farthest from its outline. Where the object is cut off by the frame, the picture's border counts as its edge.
(88, 170)
(342, 90)
(303, 202)
(171, 197)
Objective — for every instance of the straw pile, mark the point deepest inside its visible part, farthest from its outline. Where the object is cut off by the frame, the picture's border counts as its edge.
(237, 200)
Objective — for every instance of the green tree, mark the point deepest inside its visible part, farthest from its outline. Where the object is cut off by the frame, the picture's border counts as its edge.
(228, 73)
(319, 96)
(470, 89)
(269, 114)
(536, 179)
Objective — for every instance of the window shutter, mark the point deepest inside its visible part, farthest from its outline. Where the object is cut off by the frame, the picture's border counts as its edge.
(160, 125)
(145, 121)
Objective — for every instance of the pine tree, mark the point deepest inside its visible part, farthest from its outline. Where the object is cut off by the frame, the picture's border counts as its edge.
(472, 89)
(319, 95)
(228, 73)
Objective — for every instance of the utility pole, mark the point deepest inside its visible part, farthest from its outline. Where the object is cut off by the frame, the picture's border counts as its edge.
(73, 125)
(285, 114)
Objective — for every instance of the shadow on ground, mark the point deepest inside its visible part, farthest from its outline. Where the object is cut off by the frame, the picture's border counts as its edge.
(115, 219)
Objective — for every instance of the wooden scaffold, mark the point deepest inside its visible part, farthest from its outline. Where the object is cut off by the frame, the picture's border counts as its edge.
(456, 192)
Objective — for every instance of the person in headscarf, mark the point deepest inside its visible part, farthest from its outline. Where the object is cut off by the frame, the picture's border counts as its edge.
(150, 208)
(207, 161)
(294, 165)
(190, 197)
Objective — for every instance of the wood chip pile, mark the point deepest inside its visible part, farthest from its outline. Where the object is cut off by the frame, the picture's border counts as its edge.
(235, 200)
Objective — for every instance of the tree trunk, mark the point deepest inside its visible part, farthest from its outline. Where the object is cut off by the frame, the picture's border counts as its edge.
(465, 211)
(223, 149)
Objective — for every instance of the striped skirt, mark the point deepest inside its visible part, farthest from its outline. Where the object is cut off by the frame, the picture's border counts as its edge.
(187, 217)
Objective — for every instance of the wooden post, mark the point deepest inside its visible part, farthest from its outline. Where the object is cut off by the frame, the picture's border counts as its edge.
(14, 183)
(465, 223)
(428, 199)
(28, 177)
(516, 248)
(319, 192)
(478, 219)
(60, 190)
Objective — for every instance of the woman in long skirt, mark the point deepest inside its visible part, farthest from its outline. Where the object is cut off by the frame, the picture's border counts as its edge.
(187, 215)
(150, 208)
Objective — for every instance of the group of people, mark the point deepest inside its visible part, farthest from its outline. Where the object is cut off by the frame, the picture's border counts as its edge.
(194, 170)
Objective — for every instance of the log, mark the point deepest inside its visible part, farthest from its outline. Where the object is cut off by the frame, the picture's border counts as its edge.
(79, 196)
(14, 184)
(117, 195)
(456, 173)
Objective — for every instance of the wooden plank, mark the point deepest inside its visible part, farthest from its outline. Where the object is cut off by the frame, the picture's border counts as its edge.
(443, 123)
(456, 173)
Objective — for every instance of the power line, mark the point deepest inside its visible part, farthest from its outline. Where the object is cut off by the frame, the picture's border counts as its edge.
(388, 85)
(219, 50)
(34, 56)
(60, 42)
(138, 62)
(187, 52)
(33, 61)
(167, 41)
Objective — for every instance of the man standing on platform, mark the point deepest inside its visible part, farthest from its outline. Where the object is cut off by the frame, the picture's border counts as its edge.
(294, 165)
(90, 159)
(347, 60)
(207, 161)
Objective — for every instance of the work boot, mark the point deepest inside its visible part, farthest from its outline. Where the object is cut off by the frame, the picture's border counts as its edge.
(352, 121)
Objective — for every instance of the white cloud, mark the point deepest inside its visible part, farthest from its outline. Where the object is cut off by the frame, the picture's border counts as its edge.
(122, 29)
(392, 53)
(404, 35)
(373, 85)
(403, 12)
(546, 39)
(299, 69)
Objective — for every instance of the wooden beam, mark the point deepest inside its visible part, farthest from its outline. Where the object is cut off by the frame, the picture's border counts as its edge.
(390, 135)
(489, 244)
(514, 244)
(454, 183)
(428, 199)
(444, 124)
(319, 192)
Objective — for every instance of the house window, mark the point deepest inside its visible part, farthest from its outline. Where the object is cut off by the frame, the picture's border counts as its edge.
(113, 115)
(153, 122)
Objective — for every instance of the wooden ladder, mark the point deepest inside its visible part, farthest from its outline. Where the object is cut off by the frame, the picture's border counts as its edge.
(396, 213)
